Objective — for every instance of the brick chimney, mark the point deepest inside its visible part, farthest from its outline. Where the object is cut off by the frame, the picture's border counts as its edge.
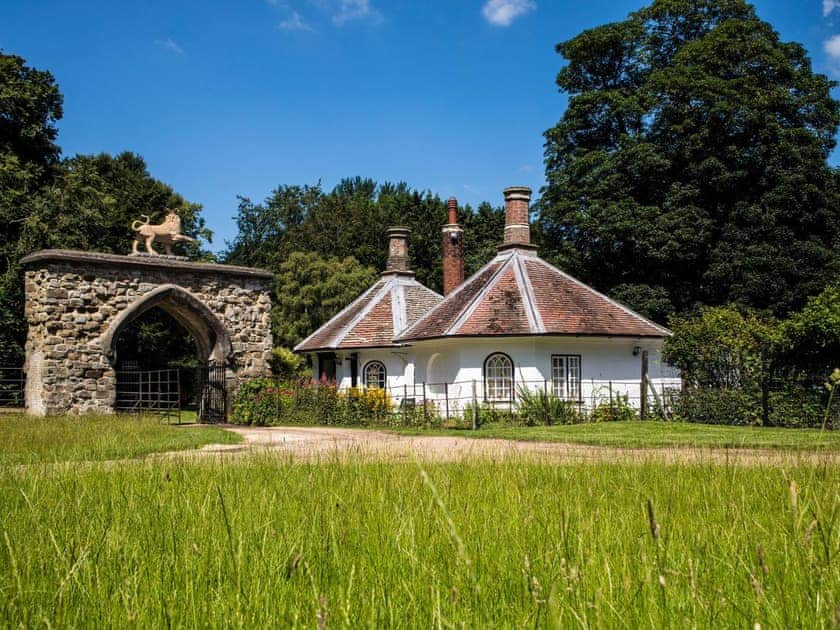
(517, 225)
(398, 251)
(453, 250)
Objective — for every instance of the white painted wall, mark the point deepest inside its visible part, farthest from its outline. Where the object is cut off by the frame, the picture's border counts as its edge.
(450, 367)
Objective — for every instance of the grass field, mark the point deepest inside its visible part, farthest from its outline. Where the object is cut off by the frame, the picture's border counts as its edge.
(654, 435)
(257, 540)
(27, 440)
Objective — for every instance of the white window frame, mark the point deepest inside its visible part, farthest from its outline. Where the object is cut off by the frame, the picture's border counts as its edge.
(498, 378)
(381, 377)
(566, 376)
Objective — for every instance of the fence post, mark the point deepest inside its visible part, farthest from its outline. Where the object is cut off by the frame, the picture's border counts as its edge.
(405, 402)
(474, 407)
(612, 410)
(425, 409)
(643, 386)
(446, 396)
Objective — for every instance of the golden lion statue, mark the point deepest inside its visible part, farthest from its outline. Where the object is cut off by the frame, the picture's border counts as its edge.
(166, 233)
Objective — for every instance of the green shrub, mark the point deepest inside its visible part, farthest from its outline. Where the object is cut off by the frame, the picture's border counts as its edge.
(258, 402)
(486, 414)
(540, 407)
(617, 410)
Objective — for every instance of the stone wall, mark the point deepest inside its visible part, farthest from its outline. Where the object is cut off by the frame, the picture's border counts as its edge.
(77, 302)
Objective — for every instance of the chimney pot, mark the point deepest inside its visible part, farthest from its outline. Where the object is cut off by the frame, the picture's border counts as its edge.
(453, 210)
(517, 219)
(398, 250)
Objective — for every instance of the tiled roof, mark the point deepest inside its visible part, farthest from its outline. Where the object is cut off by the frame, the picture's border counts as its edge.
(518, 293)
(374, 318)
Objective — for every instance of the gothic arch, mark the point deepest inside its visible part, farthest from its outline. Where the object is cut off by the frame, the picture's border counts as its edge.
(211, 338)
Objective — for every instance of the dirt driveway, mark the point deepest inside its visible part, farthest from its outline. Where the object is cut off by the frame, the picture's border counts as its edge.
(320, 442)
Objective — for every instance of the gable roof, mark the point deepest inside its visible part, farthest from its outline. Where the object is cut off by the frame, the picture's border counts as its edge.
(376, 317)
(518, 293)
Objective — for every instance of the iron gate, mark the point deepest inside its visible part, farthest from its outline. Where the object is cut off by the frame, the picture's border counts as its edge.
(149, 392)
(212, 400)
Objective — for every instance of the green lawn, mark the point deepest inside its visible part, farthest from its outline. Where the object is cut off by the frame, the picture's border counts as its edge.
(655, 435)
(258, 541)
(28, 439)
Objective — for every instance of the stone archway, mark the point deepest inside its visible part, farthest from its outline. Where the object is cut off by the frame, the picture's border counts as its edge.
(78, 302)
(210, 335)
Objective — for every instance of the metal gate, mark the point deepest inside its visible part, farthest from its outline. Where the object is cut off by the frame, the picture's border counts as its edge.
(212, 399)
(155, 392)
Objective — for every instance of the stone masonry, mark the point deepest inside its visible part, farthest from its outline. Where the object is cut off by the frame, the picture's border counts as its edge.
(77, 302)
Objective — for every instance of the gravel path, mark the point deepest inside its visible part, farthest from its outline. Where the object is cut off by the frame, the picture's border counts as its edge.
(317, 442)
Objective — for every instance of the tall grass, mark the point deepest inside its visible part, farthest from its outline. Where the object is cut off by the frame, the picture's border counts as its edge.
(29, 439)
(259, 541)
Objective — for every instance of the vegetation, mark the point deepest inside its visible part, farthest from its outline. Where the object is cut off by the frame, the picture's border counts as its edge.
(265, 402)
(476, 544)
(83, 202)
(690, 166)
(650, 434)
(30, 440)
(309, 289)
(744, 369)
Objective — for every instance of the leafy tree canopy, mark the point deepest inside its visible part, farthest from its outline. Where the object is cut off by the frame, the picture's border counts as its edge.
(691, 164)
(309, 289)
(84, 202)
(352, 219)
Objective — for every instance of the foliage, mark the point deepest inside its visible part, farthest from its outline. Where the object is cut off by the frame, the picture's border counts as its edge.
(648, 434)
(84, 202)
(264, 402)
(339, 224)
(257, 402)
(618, 409)
(538, 406)
(810, 338)
(721, 347)
(476, 544)
(309, 290)
(690, 166)
(31, 440)
(285, 364)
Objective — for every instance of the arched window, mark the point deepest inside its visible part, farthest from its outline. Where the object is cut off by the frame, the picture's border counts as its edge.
(375, 374)
(498, 377)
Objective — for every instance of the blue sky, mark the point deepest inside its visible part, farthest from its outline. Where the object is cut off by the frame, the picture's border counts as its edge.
(227, 98)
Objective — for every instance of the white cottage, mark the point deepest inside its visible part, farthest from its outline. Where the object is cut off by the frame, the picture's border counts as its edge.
(517, 323)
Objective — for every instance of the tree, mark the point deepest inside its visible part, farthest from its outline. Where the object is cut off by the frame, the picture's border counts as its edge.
(309, 289)
(810, 338)
(690, 166)
(352, 220)
(30, 107)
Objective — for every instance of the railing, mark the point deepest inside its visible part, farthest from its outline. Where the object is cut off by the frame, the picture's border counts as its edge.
(149, 392)
(12, 383)
(466, 398)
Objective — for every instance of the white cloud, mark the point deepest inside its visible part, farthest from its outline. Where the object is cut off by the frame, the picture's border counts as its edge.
(356, 10)
(503, 12)
(294, 23)
(829, 7)
(832, 48)
(170, 45)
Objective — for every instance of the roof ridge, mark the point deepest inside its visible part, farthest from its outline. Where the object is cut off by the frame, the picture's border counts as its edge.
(527, 291)
(469, 309)
(580, 283)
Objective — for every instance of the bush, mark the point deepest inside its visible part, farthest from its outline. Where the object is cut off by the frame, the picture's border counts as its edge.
(540, 407)
(263, 402)
(719, 405)
(619, 410)
(258, 402)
